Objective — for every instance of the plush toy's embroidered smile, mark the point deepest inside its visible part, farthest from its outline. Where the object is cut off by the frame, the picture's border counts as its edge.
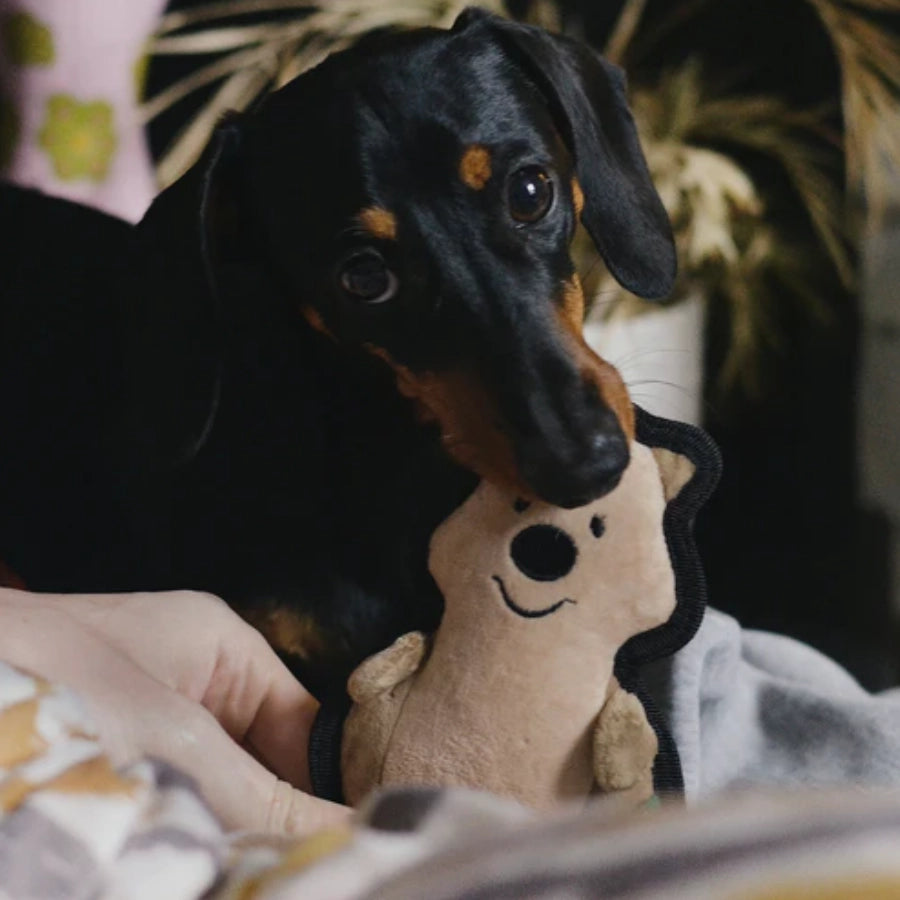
(529, 613)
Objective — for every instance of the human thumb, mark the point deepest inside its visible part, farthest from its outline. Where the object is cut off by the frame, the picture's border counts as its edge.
(150, 719)
(243, 793)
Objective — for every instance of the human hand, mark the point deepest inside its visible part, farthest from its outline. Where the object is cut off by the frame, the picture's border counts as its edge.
(181, 677)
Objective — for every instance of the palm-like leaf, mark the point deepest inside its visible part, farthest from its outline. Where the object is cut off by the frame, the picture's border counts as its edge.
(253, 58)
(869, 54)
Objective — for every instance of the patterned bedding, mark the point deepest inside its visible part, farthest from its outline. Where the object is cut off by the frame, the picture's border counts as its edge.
(72, 826)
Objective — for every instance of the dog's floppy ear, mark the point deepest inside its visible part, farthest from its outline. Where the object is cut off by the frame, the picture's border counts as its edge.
(175, 322)
(622, 210)
(223, 231)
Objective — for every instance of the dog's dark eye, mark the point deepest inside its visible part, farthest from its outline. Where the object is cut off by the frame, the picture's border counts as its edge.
(529, 194)
(364, 276)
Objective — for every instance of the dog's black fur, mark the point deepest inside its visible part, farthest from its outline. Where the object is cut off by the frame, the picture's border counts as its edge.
(262, 429)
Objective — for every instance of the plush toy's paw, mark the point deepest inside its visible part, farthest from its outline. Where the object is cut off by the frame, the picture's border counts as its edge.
(625, 744)
(385, 670)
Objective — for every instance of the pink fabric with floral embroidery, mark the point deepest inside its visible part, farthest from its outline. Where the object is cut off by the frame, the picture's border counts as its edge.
(69, 121)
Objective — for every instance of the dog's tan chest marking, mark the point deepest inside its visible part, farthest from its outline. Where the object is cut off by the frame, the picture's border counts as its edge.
(381, 223)
(475, 167)
(291, 632)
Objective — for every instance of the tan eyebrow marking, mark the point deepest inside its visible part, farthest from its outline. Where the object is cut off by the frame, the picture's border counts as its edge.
(315, 320)
(577, 197)
(379, 222)
(475, 166)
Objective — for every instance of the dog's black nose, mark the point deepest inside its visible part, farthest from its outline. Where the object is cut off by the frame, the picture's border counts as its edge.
(543, 552)
(574, 478)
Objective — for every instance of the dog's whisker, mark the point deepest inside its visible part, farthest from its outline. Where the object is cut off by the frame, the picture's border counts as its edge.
(643, 354)
(633, 388)
(592, 267)
(601, 307)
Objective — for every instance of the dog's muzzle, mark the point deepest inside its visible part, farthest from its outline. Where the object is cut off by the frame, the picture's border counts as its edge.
(572, 471)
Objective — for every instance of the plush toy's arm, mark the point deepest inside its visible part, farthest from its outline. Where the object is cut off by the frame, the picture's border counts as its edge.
(625, 745)
(385, 670)
(378, 687)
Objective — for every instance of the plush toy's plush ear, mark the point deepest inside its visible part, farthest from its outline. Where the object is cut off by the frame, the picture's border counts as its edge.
(586, 94)
(675, 469)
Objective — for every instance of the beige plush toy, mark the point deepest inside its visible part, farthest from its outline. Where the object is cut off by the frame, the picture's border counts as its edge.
(515, 693)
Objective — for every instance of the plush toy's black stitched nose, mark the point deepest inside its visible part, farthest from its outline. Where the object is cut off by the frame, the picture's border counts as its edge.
(543, 552)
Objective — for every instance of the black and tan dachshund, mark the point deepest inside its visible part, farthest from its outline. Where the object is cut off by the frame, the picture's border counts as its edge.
(358, 301)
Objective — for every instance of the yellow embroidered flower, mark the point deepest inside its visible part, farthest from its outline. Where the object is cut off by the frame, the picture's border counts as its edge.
(79, 137)
(10, 128)
(26, 41)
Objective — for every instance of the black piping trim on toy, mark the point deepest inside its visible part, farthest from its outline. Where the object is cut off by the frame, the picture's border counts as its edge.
(678, 527)
(690, 582)
(325, 747)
